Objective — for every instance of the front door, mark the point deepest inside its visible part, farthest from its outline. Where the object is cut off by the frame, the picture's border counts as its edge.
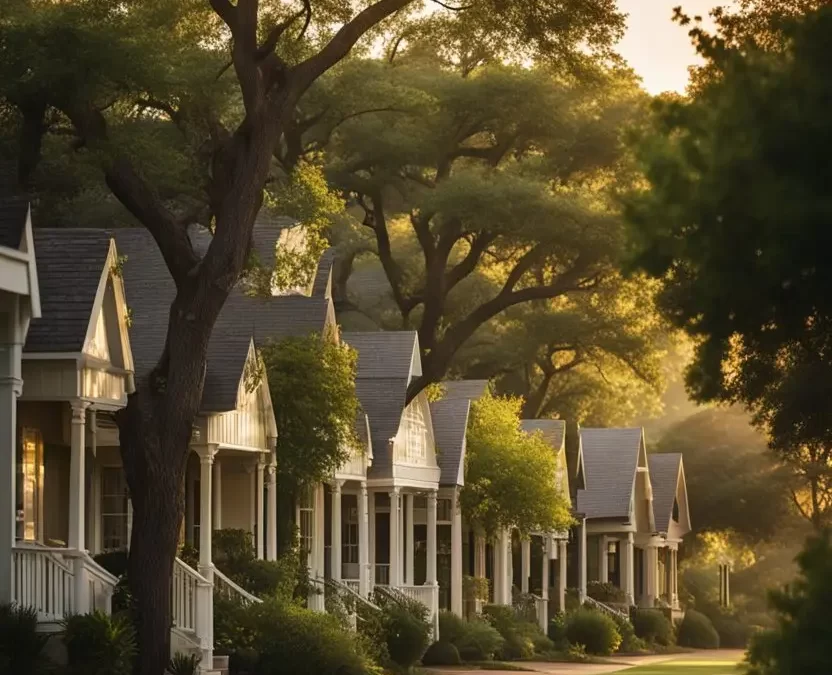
(29, 487)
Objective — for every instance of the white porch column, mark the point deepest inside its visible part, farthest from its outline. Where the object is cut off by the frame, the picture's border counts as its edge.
(394, 538)
(651, 570)
(190, 504)
(431, 578)
(271, 499)
(335, 551)
(364, 571)
(318, 549)
(456, 555)
(545, 556)
(479, 566)
(525, 564)
(77, 503)
(582, 560)
(628, 568)
(562, 572)
(260, 508)
(205, 596)
(251, 470)
(674, 578)
(603, 559)
(410, 554)
(217, 522)
(371, 537)
(93, 534)
(11, 386)
(502, 569)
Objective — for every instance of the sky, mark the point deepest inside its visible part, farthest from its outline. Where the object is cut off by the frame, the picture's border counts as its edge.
(658, 49)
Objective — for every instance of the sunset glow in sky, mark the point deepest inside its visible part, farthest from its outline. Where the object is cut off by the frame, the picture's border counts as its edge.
(658, 49)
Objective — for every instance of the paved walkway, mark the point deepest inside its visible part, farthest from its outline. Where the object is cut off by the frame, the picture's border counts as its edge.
(614, 664)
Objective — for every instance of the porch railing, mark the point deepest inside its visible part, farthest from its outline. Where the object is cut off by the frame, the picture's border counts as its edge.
(44, 581)
(226, 588)
(102, 584)
(606, 609)
(541, 607)
(184, 593)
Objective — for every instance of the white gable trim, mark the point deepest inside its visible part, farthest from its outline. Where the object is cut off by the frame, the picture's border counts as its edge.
(415, 361)
(28, 247)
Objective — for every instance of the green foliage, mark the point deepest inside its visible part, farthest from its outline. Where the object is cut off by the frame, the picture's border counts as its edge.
(519, 635)
(21, 645)
(98, 644)
(734, 632)
(557, 630)
(406, 631)
(653, 626)
(716, 223)
(441, 653)
(799, 642)
(605, 592)
(475, 639)
(277, 637)
(630, 642)
(314, 379)
(184, 664)
(697, 631)
(597, 632)
(510, 476)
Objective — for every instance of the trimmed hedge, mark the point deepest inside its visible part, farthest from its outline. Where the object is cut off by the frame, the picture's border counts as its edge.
(653, 626)
(597, 632)
(441, 654)
(697, 631)
(476, 640)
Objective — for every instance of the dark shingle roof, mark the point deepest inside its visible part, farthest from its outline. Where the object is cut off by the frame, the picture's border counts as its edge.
(610, 460)
(321, 286)
(13, 212)
(554, 431)
(266, 233)
(383, 354)
(383, 400)
(664, 476)
(450, 420)
(70, 263)
(464, 389)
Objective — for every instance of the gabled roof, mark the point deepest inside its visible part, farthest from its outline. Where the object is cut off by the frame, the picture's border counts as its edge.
(464, 389)
(13, 214)
(610, 459)
(70, 265)
(322, 284)
(450, 422)
(385, 354)
(385, 366)
(554, 431)
(665, 474)
(266, 233)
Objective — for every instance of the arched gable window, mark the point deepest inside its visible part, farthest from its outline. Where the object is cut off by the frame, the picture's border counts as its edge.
(416, 433)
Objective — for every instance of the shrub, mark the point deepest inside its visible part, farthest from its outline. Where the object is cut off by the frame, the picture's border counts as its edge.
(653, 626)
(605, 592)
(451, 626)
(573, 599)
(733, 632)
(542, 644)
(479, 642)
(597, 632)
(184, 664)
(98, 644)
(557, 631)
(406, 631)
(697, 631)
(441, 654)
(630, 642)
(516, 633)
(277, 637)
(21, 646)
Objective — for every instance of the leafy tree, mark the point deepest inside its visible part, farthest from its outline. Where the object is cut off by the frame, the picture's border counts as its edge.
(312, 381)
(510, 476)
(474, 199)
(734, 223)
(733, 480)
(799, 644)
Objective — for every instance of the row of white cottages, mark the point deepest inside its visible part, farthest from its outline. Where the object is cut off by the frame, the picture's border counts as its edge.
(84, 312)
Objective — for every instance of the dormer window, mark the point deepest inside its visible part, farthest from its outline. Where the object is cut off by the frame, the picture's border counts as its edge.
(416, 432)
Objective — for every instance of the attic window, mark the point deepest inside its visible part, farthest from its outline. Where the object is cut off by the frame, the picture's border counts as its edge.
(675, 511)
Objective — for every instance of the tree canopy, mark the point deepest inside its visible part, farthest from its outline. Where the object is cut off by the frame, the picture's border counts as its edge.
(734, 222)
(511, 477)
(474, 201)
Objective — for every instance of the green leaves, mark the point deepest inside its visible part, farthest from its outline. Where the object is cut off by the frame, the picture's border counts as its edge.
(510, 476)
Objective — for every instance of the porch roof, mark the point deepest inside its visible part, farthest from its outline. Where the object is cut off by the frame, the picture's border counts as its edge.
(554, 431)
(610, 460)
(470, 390)
(664, 478)
(70, 264)
(450, 422)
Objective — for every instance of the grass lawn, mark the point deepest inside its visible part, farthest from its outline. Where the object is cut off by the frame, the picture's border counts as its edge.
(689, 666)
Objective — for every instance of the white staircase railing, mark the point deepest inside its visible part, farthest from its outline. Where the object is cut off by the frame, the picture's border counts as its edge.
(44, 581)
(102, 584)
(233, 591)
(606, 609)
(185, 596)
(541, 607)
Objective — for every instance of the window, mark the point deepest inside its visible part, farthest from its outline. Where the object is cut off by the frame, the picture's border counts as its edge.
(675, 511)
(305, 515)
(443, 510)
(416, 433)
(349, 535)
(115, 499)
(30, 486)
